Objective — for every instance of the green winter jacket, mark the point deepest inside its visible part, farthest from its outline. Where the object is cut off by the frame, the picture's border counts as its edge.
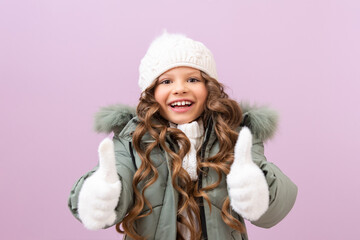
(161, 223)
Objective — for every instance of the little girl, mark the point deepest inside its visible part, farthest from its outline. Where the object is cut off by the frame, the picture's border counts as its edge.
(189, 163)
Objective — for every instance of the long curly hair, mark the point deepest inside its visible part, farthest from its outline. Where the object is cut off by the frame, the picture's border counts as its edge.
(226, 116)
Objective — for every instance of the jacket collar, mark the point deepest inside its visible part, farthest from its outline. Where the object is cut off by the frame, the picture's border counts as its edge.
(122, 120)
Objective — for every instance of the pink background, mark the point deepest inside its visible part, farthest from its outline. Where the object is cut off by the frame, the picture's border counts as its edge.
(61, 60)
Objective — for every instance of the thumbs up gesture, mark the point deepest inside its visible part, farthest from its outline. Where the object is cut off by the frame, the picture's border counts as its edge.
(248, 189)
(100, 192)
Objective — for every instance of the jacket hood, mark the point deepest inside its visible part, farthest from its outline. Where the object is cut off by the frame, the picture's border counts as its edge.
(113, 118)
(261, 120)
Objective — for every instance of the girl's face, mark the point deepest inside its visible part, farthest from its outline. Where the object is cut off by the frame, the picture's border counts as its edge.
(181, 93)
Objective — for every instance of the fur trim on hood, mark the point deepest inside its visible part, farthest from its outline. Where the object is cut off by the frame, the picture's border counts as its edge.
(262, 121)
(113, 118)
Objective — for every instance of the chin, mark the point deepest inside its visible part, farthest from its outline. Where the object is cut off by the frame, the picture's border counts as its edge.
(182, 121)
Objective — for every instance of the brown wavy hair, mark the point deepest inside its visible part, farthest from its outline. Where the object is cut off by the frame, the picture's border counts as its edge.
(226, 116)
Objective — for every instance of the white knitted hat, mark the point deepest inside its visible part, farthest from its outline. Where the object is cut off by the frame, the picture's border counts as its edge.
(174, 50)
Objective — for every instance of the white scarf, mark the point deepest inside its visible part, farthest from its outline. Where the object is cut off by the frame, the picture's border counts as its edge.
(194, 132)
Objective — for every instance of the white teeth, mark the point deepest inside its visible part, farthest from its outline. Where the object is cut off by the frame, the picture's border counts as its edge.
(181, 103)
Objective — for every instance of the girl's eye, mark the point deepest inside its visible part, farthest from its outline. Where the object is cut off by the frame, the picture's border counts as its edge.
(193, 80)
(166, 81)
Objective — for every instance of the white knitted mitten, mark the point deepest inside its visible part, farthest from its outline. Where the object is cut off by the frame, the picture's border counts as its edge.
(194, 132)
(248, 189)
(100, 192)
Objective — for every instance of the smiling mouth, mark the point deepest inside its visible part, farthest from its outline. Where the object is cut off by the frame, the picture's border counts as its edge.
(181, 104)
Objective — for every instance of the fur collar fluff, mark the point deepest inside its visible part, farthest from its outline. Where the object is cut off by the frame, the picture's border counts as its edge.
(261, 120)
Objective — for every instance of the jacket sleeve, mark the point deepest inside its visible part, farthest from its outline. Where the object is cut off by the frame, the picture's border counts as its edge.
(125, 171)
(282, 190)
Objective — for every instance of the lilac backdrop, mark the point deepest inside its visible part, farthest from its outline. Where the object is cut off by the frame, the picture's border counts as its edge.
(61, 60)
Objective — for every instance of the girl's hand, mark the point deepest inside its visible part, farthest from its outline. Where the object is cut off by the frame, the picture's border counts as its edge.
(248, 189)
(100, 192)
(107, 162)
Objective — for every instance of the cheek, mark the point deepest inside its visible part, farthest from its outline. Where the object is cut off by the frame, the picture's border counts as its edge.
(202, 95)
(160, 97)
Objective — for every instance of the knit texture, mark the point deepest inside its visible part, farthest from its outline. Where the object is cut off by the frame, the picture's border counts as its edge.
(174, 50)
(194, 132)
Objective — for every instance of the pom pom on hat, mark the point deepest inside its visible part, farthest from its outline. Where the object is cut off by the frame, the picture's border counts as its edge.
(174, 50)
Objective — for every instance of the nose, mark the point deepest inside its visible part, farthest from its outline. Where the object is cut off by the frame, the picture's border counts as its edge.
(179, 87)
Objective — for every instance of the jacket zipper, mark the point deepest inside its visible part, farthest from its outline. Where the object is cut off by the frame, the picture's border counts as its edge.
(202, 210)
